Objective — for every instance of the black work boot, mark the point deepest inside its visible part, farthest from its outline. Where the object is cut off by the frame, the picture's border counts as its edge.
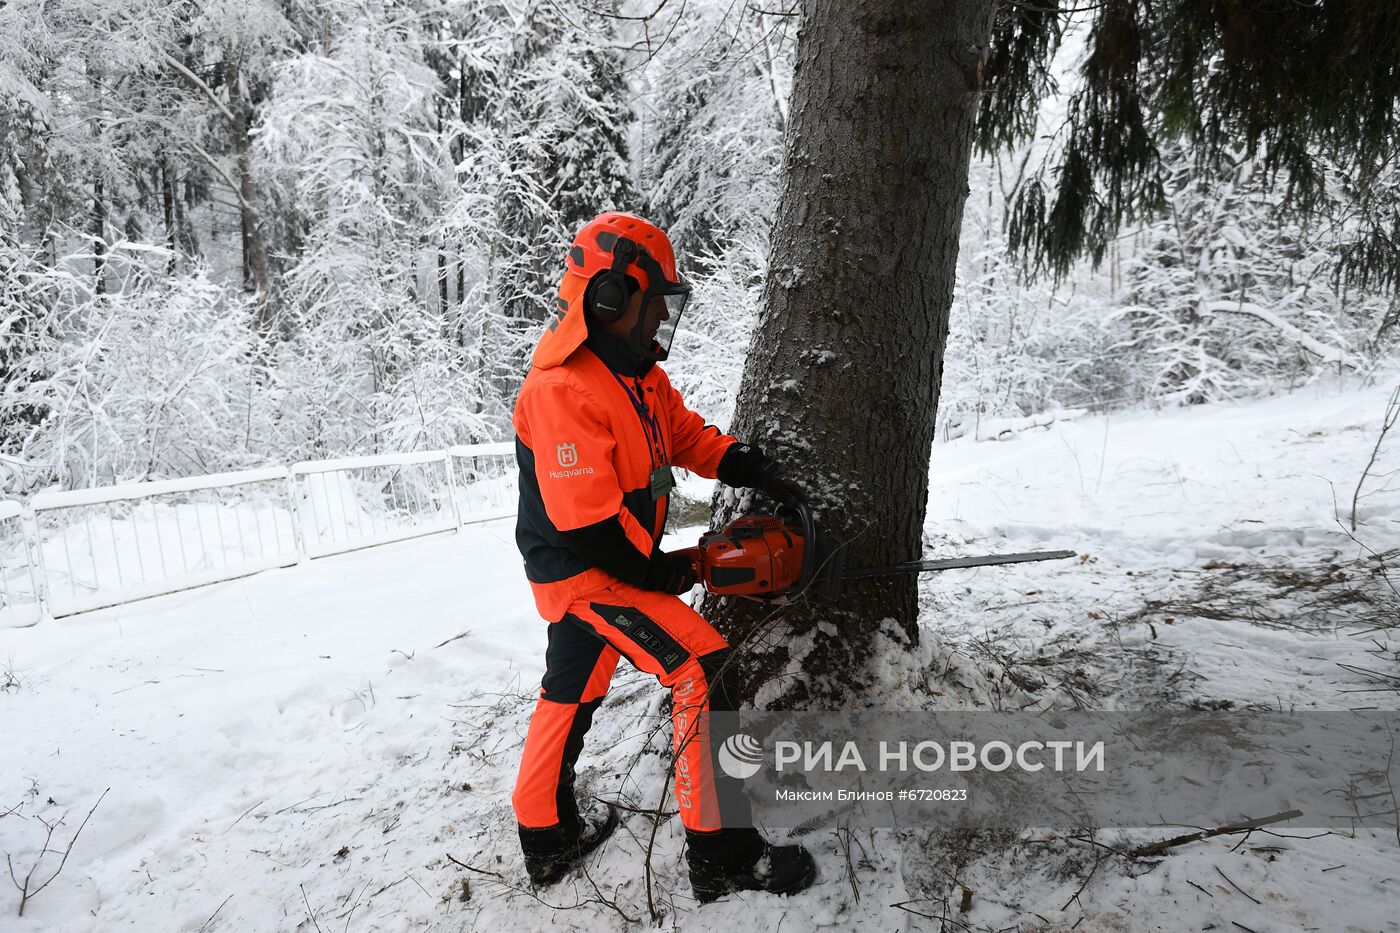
(741, 860)
(551, 852)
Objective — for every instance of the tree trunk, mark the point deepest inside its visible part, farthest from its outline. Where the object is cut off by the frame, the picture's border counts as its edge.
(842, 375)
(465, 113)
(441, 250)
(254, 248)
(99, 236)
(167, 205)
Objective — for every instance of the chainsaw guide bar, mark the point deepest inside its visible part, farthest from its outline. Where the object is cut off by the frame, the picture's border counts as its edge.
(772, 558)
(952, 563)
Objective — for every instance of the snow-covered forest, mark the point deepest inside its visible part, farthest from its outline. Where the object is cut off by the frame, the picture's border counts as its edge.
(235, 233)
(240, 235)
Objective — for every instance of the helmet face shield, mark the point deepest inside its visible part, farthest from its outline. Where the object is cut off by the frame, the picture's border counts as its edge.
(663, 303)
(675, 302)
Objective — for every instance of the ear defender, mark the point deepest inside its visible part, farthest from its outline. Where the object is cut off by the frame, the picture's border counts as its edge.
(608, 292)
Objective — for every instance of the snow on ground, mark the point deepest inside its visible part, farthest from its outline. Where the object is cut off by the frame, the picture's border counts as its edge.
(1210, 498)
(318, 748)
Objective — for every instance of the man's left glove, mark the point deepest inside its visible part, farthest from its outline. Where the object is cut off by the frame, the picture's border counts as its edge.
(783, 490)
(746, 465)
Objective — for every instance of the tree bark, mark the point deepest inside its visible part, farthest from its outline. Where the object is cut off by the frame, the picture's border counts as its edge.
(98, 217)
(99, 236)
(167, 206)
(842, 376)
(254, 247)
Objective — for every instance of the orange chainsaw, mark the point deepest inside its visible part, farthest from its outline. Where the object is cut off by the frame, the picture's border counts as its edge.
(772, 558)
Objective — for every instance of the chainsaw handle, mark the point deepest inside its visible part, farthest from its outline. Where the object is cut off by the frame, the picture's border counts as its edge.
(693, 553)
(823, 558)
(802, 512)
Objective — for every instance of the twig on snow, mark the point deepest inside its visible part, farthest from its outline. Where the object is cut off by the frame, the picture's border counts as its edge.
(480, 871)
(844, 840)
(944, 919)
(1245, 826)
(1392, 414)
(388, 886)
(1389, 784)
(245, 813)
(205, 925)
(309, 912)
(1074, 898)
(353, 906)
(25, 893)
(1235, 886)
(600, 899)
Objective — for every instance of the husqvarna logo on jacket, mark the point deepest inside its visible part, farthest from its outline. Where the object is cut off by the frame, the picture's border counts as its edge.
(567, 455)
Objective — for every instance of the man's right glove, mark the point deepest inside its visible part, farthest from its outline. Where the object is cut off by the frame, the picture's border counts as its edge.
(670, 573)
(746, 465)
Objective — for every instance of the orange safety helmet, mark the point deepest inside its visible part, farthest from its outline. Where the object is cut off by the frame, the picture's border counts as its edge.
(611, 249)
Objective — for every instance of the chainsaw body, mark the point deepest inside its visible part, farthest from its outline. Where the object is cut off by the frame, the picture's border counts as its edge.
(765, 557)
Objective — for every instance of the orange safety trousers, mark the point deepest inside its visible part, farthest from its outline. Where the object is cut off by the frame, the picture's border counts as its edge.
(657, 633)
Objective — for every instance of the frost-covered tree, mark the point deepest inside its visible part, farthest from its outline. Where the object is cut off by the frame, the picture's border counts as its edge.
(238, 43)
(560, 116)
(712, 108)
(541, 144)
(354, 133)
(716, 98)
(1300, 87)
(26, 329)
(135, 114)
(148, 381)
(1231, 295)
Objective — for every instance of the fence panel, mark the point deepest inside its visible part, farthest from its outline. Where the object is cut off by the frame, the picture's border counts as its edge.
(359, 502)
(93, 548)
(21, 602)
(484, 481)
(103, 547)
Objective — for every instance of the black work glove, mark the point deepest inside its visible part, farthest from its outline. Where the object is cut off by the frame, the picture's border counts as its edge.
(670, 573)
(781, 489)
(746, 465)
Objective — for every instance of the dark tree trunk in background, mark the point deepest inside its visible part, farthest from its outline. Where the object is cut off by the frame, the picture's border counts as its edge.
(254, 246)
(841, 380)
(99, 236)
(167, 207)
(469, 107)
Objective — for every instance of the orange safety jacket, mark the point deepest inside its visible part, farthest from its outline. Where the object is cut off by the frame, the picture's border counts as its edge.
(588, 441)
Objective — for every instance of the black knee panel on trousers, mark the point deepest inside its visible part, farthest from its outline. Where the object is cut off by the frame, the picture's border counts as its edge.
(722, 675)
(569, 659)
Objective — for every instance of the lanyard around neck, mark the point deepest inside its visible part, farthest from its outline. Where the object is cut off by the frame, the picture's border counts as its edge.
(651, 427)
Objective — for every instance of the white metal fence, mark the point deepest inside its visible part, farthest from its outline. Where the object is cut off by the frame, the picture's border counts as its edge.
(483, 478)
(102, 547)
(71, 552)
(20, 602)
(363, 501)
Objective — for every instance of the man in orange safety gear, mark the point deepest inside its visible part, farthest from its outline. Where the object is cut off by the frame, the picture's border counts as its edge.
(598, 430)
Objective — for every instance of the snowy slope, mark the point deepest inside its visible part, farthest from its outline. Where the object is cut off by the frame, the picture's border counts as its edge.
(1165, 506)
(306, 748)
